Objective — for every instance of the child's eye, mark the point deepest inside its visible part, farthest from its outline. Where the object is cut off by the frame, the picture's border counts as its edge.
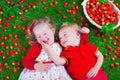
(65, 34)
(39, 36)
(60, 38)
(44, 33)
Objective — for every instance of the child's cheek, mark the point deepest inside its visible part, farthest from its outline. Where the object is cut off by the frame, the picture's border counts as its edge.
(39, 41)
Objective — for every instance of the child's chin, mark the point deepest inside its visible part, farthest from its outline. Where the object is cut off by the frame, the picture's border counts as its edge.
(64, 46)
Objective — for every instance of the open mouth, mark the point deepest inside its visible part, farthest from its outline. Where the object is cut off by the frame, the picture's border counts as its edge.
(46, 42)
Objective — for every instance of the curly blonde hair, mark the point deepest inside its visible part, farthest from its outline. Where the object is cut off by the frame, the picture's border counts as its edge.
(37, 21)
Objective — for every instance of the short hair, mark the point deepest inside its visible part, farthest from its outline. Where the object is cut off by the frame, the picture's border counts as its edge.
(75, 26)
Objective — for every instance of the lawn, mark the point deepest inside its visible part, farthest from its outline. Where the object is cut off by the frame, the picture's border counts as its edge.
(16, 14)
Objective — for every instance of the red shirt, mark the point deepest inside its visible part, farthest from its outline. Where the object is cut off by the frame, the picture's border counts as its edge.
(80, 58)
(32, 54)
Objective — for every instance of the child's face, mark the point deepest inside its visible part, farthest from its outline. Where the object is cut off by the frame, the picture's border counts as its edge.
(44, 33)
(69, 37)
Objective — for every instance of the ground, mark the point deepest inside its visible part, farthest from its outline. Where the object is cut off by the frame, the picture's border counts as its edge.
(16, 14)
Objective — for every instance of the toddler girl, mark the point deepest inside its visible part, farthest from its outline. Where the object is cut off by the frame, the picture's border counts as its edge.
(38, 65)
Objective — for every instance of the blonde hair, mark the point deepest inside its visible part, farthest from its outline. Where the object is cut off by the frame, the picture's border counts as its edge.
(37, 21)
(74, 26)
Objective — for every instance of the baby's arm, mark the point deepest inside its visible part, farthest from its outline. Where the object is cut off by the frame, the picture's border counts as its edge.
(53, 55)
(41, 66)
(93, 71)
(29, 59)
(84, 30)
(84, 33)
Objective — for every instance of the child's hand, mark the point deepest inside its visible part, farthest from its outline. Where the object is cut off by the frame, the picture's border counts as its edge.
(84, 30)
(92, 73)
(42, 67)
(45, 46)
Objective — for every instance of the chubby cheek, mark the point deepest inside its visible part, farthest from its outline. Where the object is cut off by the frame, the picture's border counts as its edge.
(39, 40)
(63, 45)
(51, 38)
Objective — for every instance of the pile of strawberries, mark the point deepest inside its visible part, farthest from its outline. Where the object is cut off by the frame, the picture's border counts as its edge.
(101, 13)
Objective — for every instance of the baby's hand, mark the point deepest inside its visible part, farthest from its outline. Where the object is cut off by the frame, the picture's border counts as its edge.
(84, 30)
(45, 46)
(92, 73)
(42, 67)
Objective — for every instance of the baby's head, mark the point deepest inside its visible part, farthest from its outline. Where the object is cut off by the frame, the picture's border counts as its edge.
(42, 30)
(69, 35)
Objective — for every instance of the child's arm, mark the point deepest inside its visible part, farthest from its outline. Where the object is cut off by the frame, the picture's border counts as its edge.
(29, 60)
(84, 30)
(53, 55)
(84, 33)
(42, 66)
(93, 72)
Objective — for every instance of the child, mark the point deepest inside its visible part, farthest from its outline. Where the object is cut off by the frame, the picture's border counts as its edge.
(38, 65)
(82, 59)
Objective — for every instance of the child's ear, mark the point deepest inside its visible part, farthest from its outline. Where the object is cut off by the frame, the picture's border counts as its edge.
(78, 33)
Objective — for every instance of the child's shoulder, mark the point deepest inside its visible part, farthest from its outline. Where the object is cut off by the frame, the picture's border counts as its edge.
(36, 44)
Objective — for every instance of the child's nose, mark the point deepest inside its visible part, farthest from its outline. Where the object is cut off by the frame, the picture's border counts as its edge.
(44, 38)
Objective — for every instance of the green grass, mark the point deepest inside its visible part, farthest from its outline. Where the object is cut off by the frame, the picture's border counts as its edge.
(38, 11)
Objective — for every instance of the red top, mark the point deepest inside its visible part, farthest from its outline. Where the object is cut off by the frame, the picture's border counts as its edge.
(32, 54)
(80, 58)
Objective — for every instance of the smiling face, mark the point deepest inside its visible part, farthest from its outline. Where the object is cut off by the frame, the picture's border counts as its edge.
(43, 33)
(69, 37)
